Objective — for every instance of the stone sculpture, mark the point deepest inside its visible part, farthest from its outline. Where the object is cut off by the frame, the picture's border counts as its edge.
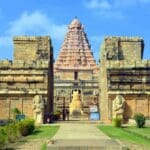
(38, 109)
(118, 106)
(76, 105)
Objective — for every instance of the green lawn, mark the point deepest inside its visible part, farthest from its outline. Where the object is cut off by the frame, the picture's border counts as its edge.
(44, 132)
(39, 137)
(127, 134)
(144, 132)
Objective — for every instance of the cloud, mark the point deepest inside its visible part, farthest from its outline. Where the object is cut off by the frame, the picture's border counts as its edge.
(97, 4)
(104, 8)
(110, 4)
(35, 23)
(112, 8)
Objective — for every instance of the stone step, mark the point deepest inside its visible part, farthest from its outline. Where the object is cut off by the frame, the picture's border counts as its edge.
(87, 144)
(80, 122)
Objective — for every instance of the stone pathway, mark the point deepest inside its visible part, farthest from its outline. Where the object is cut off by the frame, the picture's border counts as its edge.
(82, 136)
(34, 144)
(79, 131)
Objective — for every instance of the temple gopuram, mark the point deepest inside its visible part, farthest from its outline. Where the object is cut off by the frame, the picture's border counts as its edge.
(75, 70)
(118, 86)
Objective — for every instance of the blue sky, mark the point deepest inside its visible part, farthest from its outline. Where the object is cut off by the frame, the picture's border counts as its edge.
(51, 17)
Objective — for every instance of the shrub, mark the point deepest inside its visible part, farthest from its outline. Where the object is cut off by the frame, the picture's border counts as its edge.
(3, 137)
(56, 115)
(140, 120)
(26, 126)
(12, 132)
(15, 112)
(117, 122)
(44, 146)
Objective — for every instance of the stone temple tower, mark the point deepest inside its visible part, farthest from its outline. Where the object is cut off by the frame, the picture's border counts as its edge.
(75, 52)
(75, 67)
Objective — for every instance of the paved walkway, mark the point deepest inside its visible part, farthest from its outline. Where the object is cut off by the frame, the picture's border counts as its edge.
(82, 136)
(79, 131)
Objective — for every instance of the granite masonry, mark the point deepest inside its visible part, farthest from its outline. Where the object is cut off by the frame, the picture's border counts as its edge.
(122, 75)
(75, 69)
(123, 72)
(27, 76)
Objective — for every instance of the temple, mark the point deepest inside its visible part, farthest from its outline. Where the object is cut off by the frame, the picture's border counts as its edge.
(118, 86)
(75, 69)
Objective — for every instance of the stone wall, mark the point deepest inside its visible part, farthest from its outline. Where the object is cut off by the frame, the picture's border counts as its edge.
(123, 72)
(134, 103)
(63, 93)
(123, 48)
(26, 76)
(20, 84)
(70, 74)
(38, 48)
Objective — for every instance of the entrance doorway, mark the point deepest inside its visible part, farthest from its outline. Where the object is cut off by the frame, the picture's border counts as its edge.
(75, 75)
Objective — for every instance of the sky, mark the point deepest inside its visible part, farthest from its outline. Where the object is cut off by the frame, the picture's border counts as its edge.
(51, 17)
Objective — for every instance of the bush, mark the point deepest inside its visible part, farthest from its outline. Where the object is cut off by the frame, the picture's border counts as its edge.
(12, 132)
(117, 122)
(44, 146)
(3, 137)
(56, 115)
(140, 120)
(15, 112)
(26, 126)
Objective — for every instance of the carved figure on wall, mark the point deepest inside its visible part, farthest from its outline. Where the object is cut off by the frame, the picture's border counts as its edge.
(118, 106)
(76, 105)
(38, 109)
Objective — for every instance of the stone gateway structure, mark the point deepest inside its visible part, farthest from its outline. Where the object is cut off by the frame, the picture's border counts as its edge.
(75, 69)
(123, 72)
(27, 76)
(119, 86)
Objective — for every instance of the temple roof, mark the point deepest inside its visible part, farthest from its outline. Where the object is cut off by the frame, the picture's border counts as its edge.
(75, 51)
(75, 24)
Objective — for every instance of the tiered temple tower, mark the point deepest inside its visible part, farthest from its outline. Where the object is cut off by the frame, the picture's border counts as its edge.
(75, 68)
(76, 52)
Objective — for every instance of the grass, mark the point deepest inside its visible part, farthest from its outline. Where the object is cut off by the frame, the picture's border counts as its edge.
(44, 146)
(126, 134)
(41, 135)
(44, 132)
(143, 132)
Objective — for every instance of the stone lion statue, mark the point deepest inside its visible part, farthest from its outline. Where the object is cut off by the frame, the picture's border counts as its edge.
(38, 109)
(118, 106)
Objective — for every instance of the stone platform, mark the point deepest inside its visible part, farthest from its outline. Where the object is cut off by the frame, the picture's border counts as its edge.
(82, 137)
